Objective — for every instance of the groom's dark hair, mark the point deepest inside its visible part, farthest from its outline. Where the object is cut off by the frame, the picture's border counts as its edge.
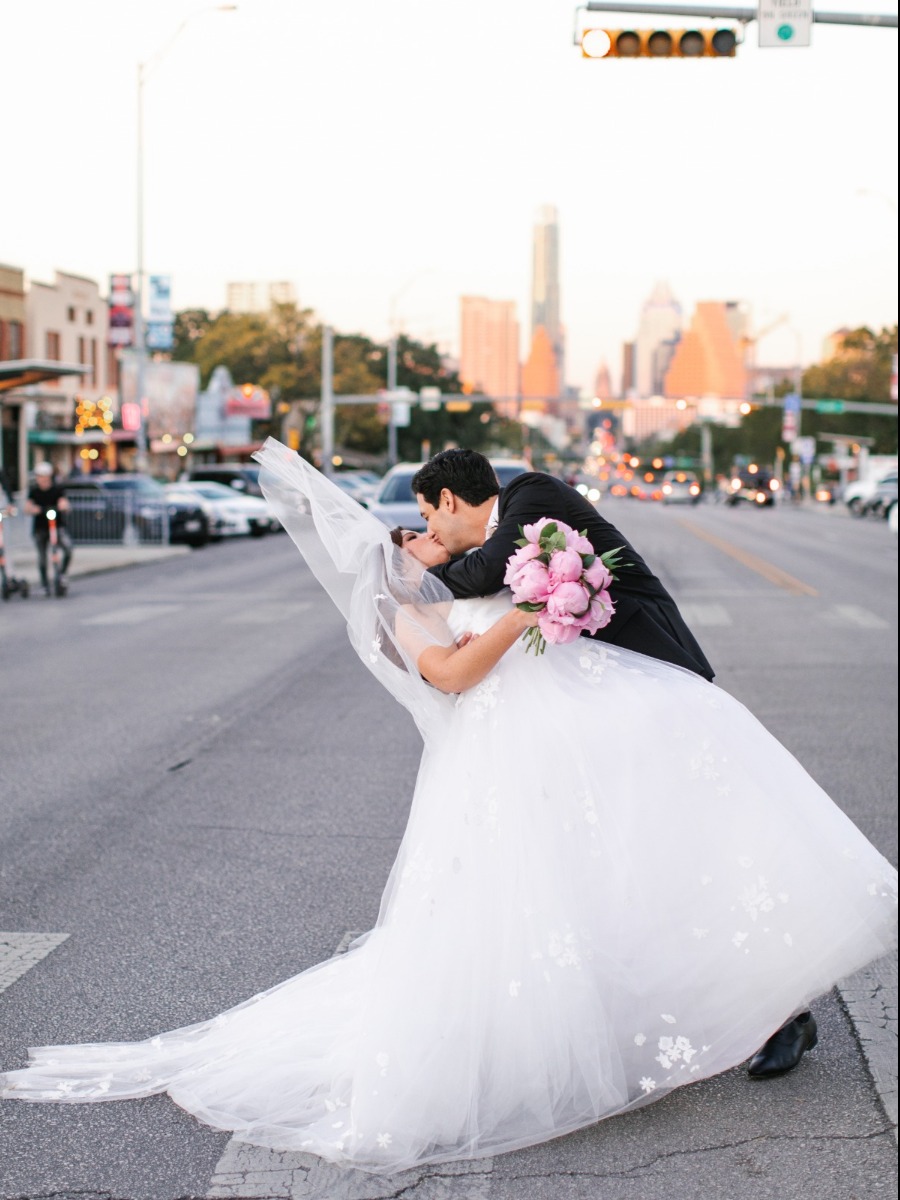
(465, 473)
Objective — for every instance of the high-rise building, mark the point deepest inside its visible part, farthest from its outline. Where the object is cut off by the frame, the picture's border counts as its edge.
(258, 297)
(708, 361)
(661, 322)
(540, 375)
(489, 346)
(545, 299)
(628, 369)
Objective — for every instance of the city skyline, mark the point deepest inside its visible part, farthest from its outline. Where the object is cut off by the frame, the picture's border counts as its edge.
(345, 151)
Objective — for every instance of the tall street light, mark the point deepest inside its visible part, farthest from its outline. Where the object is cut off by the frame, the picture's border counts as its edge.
(140, 338)
(392, 359)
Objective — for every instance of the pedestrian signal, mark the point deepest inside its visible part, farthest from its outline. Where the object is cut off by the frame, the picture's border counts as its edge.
(659, 43)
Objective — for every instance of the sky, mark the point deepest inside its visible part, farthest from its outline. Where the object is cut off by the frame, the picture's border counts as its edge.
(387, 158)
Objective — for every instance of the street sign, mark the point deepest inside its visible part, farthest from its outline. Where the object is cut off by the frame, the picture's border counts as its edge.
(785, 22)
(829, 406)
(430, 399)
(805, 449)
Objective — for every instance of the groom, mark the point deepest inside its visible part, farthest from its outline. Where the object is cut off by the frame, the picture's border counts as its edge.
(460, 499)
(465, 510)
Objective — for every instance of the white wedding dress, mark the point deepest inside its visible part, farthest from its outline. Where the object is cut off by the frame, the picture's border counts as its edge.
(614, 881)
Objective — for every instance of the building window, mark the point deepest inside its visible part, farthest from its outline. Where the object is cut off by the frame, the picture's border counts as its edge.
(89, 316)
(93, 362)
(15, 340)
(53, 346)
(70, 313)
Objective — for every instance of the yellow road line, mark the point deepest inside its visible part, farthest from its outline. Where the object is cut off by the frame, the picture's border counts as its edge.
(768, 570)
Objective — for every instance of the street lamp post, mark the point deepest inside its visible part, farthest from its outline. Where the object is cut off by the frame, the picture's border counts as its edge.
(392, 360)
(140, 335)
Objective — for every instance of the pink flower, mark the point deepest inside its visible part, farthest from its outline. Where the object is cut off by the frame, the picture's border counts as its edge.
(532, 584)
(597, 575)
(568, 601)
(565, 566)
(533, 532)
(602, 612)
(574, 541)
(556, 634)
(518, 560)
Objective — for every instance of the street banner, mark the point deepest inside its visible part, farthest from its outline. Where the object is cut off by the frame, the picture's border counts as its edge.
(790, 418)
(160, 322)
(784, 22)
(121, 311)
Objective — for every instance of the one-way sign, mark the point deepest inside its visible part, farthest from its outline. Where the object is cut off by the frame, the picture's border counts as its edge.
(785, 22)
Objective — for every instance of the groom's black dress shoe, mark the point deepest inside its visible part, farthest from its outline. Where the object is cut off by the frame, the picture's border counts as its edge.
(785, 1048)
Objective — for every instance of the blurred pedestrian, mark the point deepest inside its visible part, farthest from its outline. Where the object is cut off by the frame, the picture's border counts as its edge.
(45, 496)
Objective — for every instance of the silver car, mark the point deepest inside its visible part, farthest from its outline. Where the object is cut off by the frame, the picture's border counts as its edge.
(394, 501)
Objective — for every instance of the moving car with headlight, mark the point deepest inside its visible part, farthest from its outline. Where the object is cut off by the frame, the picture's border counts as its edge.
(757, 488)
(681, 487)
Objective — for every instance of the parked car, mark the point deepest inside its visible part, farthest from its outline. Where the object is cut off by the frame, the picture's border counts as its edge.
(395, 504)
(881, 499)
(230, 513)
(681, 487)
(758, 488)
(132, 508)
(243, 477)
(359, 485)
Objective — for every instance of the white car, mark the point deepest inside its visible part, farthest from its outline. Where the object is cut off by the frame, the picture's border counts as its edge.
(230, 513)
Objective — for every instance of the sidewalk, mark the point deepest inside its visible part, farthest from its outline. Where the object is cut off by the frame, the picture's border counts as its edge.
(86, 559)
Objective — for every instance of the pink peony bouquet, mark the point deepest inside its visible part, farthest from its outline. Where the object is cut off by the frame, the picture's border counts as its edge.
(557, 574)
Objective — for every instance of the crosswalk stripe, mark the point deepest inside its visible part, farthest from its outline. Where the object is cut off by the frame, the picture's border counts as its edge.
(852, 614)
(705, 614)
(133, 615)
(261, 614)
(19, 952)
(254, 1173)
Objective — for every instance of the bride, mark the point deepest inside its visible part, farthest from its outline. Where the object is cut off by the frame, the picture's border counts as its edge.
(613, 882)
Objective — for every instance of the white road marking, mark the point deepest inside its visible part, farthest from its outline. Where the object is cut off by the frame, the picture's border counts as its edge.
(263, 613)
(252, 1172)
(705, 615)
(852, 614)
(19, 952)
(132, 616)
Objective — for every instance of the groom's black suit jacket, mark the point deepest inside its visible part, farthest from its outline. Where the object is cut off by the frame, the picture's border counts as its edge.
(646, 617)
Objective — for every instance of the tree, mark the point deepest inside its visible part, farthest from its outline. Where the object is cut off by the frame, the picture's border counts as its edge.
(861, 369)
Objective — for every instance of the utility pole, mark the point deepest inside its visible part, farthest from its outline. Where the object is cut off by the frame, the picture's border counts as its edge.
(326, 411)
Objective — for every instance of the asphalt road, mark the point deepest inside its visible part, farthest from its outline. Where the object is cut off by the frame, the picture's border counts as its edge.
(204, 790)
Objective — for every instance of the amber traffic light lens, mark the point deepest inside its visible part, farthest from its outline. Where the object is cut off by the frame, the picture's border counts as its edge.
(628, 45)
(659, 44)
(692, 44)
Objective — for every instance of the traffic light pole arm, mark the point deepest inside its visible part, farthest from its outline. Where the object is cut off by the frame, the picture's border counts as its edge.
(719, 12)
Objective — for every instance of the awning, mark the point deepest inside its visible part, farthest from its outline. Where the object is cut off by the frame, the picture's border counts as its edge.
(22, 372)
(61, 437)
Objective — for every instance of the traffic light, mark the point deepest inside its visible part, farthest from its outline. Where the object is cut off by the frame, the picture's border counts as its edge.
(659, 43)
